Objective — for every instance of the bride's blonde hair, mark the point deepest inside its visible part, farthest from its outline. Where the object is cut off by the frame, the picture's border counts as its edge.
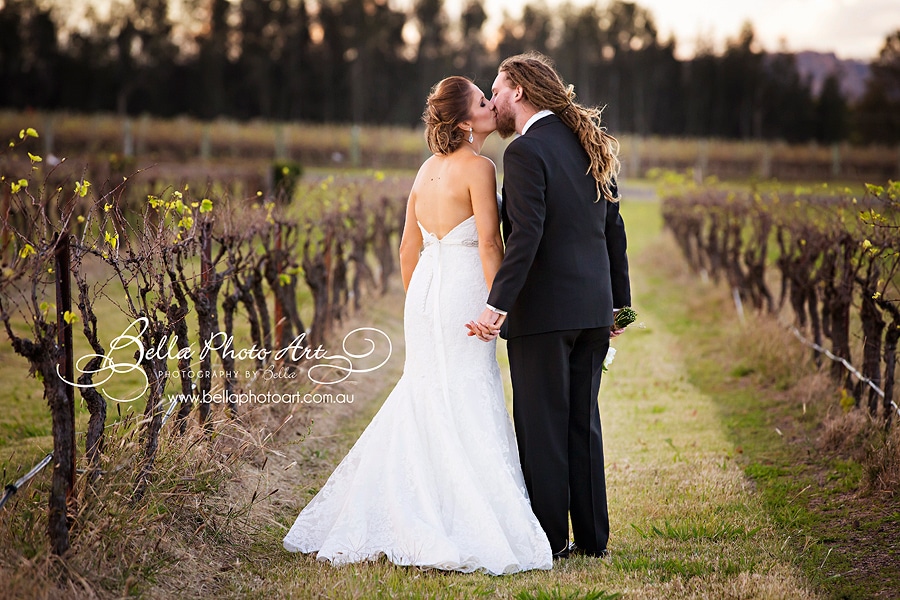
(447, 106)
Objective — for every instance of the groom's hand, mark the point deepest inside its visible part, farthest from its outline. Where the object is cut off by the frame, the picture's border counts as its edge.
(487, 327)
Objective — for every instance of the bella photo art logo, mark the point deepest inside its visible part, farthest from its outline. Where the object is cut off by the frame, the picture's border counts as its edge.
(328, 369)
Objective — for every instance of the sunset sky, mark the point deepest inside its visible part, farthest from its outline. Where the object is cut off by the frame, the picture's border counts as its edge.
(849, 28)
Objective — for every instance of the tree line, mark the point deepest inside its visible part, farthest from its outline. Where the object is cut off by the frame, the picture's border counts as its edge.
(364, 61)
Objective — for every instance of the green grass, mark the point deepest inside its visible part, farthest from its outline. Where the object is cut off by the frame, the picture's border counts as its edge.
(771, 404)
(556, 594)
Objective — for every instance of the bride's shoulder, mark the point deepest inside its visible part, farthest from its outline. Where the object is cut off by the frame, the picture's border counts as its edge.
(480, 163)
(481, 171)
(428, 167)
(431, 162)
(488, 162)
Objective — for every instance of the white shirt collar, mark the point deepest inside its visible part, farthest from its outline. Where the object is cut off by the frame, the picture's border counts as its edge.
(536, 117)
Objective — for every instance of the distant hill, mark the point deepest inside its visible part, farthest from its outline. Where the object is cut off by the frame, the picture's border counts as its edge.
(817, 66)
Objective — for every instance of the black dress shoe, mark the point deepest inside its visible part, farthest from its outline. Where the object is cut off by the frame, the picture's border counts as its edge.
(564, 553)
(574, 550)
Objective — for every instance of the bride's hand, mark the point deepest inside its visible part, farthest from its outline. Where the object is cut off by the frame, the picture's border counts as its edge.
(483, 333)
(487, 327)
(613, 333)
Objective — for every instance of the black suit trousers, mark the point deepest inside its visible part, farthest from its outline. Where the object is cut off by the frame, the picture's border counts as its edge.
(556, 383)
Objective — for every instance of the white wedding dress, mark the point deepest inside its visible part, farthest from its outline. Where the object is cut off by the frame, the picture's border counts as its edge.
(434, 480)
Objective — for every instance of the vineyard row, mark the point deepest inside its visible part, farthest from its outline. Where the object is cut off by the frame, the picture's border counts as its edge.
(833, 257)
(186, 266)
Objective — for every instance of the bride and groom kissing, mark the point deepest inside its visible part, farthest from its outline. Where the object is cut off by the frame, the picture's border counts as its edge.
(439, 478)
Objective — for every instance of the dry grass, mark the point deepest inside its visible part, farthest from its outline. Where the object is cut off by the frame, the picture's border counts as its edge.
(772, 354)
(119, 545)
(857, 435)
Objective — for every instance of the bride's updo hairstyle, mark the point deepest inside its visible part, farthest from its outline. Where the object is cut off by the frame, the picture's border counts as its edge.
(446, 107)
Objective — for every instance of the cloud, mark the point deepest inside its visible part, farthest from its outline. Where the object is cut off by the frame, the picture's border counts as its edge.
(859, 29)
(849, 28)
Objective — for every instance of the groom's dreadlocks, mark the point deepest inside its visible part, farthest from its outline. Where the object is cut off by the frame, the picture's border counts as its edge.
(544, 89)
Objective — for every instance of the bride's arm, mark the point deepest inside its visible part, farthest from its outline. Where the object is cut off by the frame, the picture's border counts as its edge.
(483, 191)
(410, 242)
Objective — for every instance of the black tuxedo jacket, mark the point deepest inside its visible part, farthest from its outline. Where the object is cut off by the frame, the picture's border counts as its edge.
(565, 265)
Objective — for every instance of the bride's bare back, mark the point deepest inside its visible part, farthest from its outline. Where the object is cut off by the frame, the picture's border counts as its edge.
(448, 190)
(441, 191)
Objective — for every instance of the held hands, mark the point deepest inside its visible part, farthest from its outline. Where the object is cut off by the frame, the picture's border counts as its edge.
(487, 327)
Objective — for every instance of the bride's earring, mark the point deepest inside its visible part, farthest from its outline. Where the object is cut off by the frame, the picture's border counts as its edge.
(471, 137)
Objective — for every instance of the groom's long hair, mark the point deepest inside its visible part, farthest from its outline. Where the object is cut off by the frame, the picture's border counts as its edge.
(544, 89)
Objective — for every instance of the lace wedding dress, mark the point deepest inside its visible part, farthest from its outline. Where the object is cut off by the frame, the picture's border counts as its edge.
(434, 480)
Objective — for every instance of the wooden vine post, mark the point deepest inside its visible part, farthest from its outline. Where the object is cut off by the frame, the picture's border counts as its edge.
(280, 313)
(62, 496)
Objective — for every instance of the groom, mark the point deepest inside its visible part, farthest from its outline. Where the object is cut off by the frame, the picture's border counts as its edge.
(564, 272)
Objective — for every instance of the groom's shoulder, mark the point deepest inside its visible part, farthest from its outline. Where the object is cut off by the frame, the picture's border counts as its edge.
(545, 124)
(522, 143)
(548, 129)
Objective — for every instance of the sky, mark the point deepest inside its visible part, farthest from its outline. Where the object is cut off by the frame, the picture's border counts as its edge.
(849, 28)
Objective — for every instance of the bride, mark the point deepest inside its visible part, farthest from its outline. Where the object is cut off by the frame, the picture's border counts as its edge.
(434, 480)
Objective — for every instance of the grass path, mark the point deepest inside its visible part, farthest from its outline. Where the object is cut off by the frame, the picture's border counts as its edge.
(685, 521)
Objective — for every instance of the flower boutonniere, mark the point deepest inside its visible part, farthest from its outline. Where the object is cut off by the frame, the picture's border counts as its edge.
(624, 318)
